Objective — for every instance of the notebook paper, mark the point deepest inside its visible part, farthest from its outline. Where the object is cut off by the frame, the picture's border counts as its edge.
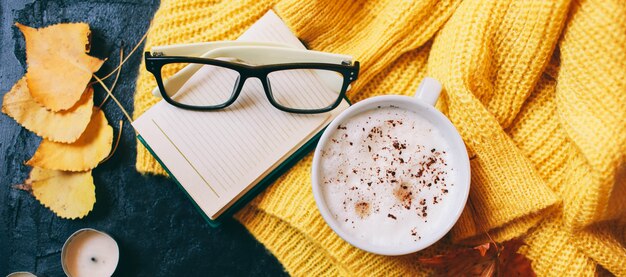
(217, 156)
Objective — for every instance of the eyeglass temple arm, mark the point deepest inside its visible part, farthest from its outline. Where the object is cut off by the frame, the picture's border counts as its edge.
(201, 48)
(256, 53)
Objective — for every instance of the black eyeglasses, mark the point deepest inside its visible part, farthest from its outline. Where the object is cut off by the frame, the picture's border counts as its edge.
(213, 84)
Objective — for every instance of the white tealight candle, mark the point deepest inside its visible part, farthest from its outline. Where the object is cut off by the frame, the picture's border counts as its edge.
(89, 252)
(21, 274)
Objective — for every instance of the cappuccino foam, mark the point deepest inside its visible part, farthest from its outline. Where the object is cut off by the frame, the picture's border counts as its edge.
(386, 175)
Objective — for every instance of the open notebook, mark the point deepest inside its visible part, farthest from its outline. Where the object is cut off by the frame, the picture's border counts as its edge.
(221, 159)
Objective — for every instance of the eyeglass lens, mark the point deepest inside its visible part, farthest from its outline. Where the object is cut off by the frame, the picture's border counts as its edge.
(209, 86)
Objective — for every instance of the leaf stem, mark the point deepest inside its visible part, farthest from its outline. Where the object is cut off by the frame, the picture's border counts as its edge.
(117, 143)
(113, 97)
(125, 59)
(117, 76)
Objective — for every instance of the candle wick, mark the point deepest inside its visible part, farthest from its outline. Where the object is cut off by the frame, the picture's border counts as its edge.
(93, 259)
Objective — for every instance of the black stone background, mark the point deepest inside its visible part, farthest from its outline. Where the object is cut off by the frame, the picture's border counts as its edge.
(158, 230)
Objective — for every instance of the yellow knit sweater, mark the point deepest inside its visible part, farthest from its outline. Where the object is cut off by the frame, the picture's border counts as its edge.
(537, 90)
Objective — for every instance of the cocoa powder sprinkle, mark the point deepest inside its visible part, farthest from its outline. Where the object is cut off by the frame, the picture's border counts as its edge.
(416, 175)
(362, 209)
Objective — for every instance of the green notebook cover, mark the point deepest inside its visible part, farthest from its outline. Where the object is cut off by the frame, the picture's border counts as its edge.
(258, 188)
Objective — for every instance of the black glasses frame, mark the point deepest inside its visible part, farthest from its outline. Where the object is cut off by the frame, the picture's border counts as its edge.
(154, 64)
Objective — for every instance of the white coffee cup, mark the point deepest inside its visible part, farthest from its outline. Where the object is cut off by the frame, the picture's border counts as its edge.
(423, 105)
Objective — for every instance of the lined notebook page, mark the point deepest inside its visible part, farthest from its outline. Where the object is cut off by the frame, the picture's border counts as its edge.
(219, 155)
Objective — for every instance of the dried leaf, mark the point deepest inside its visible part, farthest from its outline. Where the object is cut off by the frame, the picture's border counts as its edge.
(64, 126)
(462, 262)
(513, 263)
(68, 194)
(483, 248)
(58, 67)
(489, 259)
(84, 154)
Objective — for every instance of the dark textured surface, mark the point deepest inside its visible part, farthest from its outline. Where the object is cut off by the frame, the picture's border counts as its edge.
(159, 232)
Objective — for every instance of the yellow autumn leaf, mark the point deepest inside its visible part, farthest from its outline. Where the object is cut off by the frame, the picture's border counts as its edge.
(84, 154)
(59, 68)
(68, 194)
(64, 126)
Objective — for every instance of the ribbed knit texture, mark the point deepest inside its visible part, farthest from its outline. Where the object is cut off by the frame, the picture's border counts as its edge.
(537, 90)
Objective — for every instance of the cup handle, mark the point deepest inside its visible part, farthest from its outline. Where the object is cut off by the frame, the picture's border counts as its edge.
(428, 91)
